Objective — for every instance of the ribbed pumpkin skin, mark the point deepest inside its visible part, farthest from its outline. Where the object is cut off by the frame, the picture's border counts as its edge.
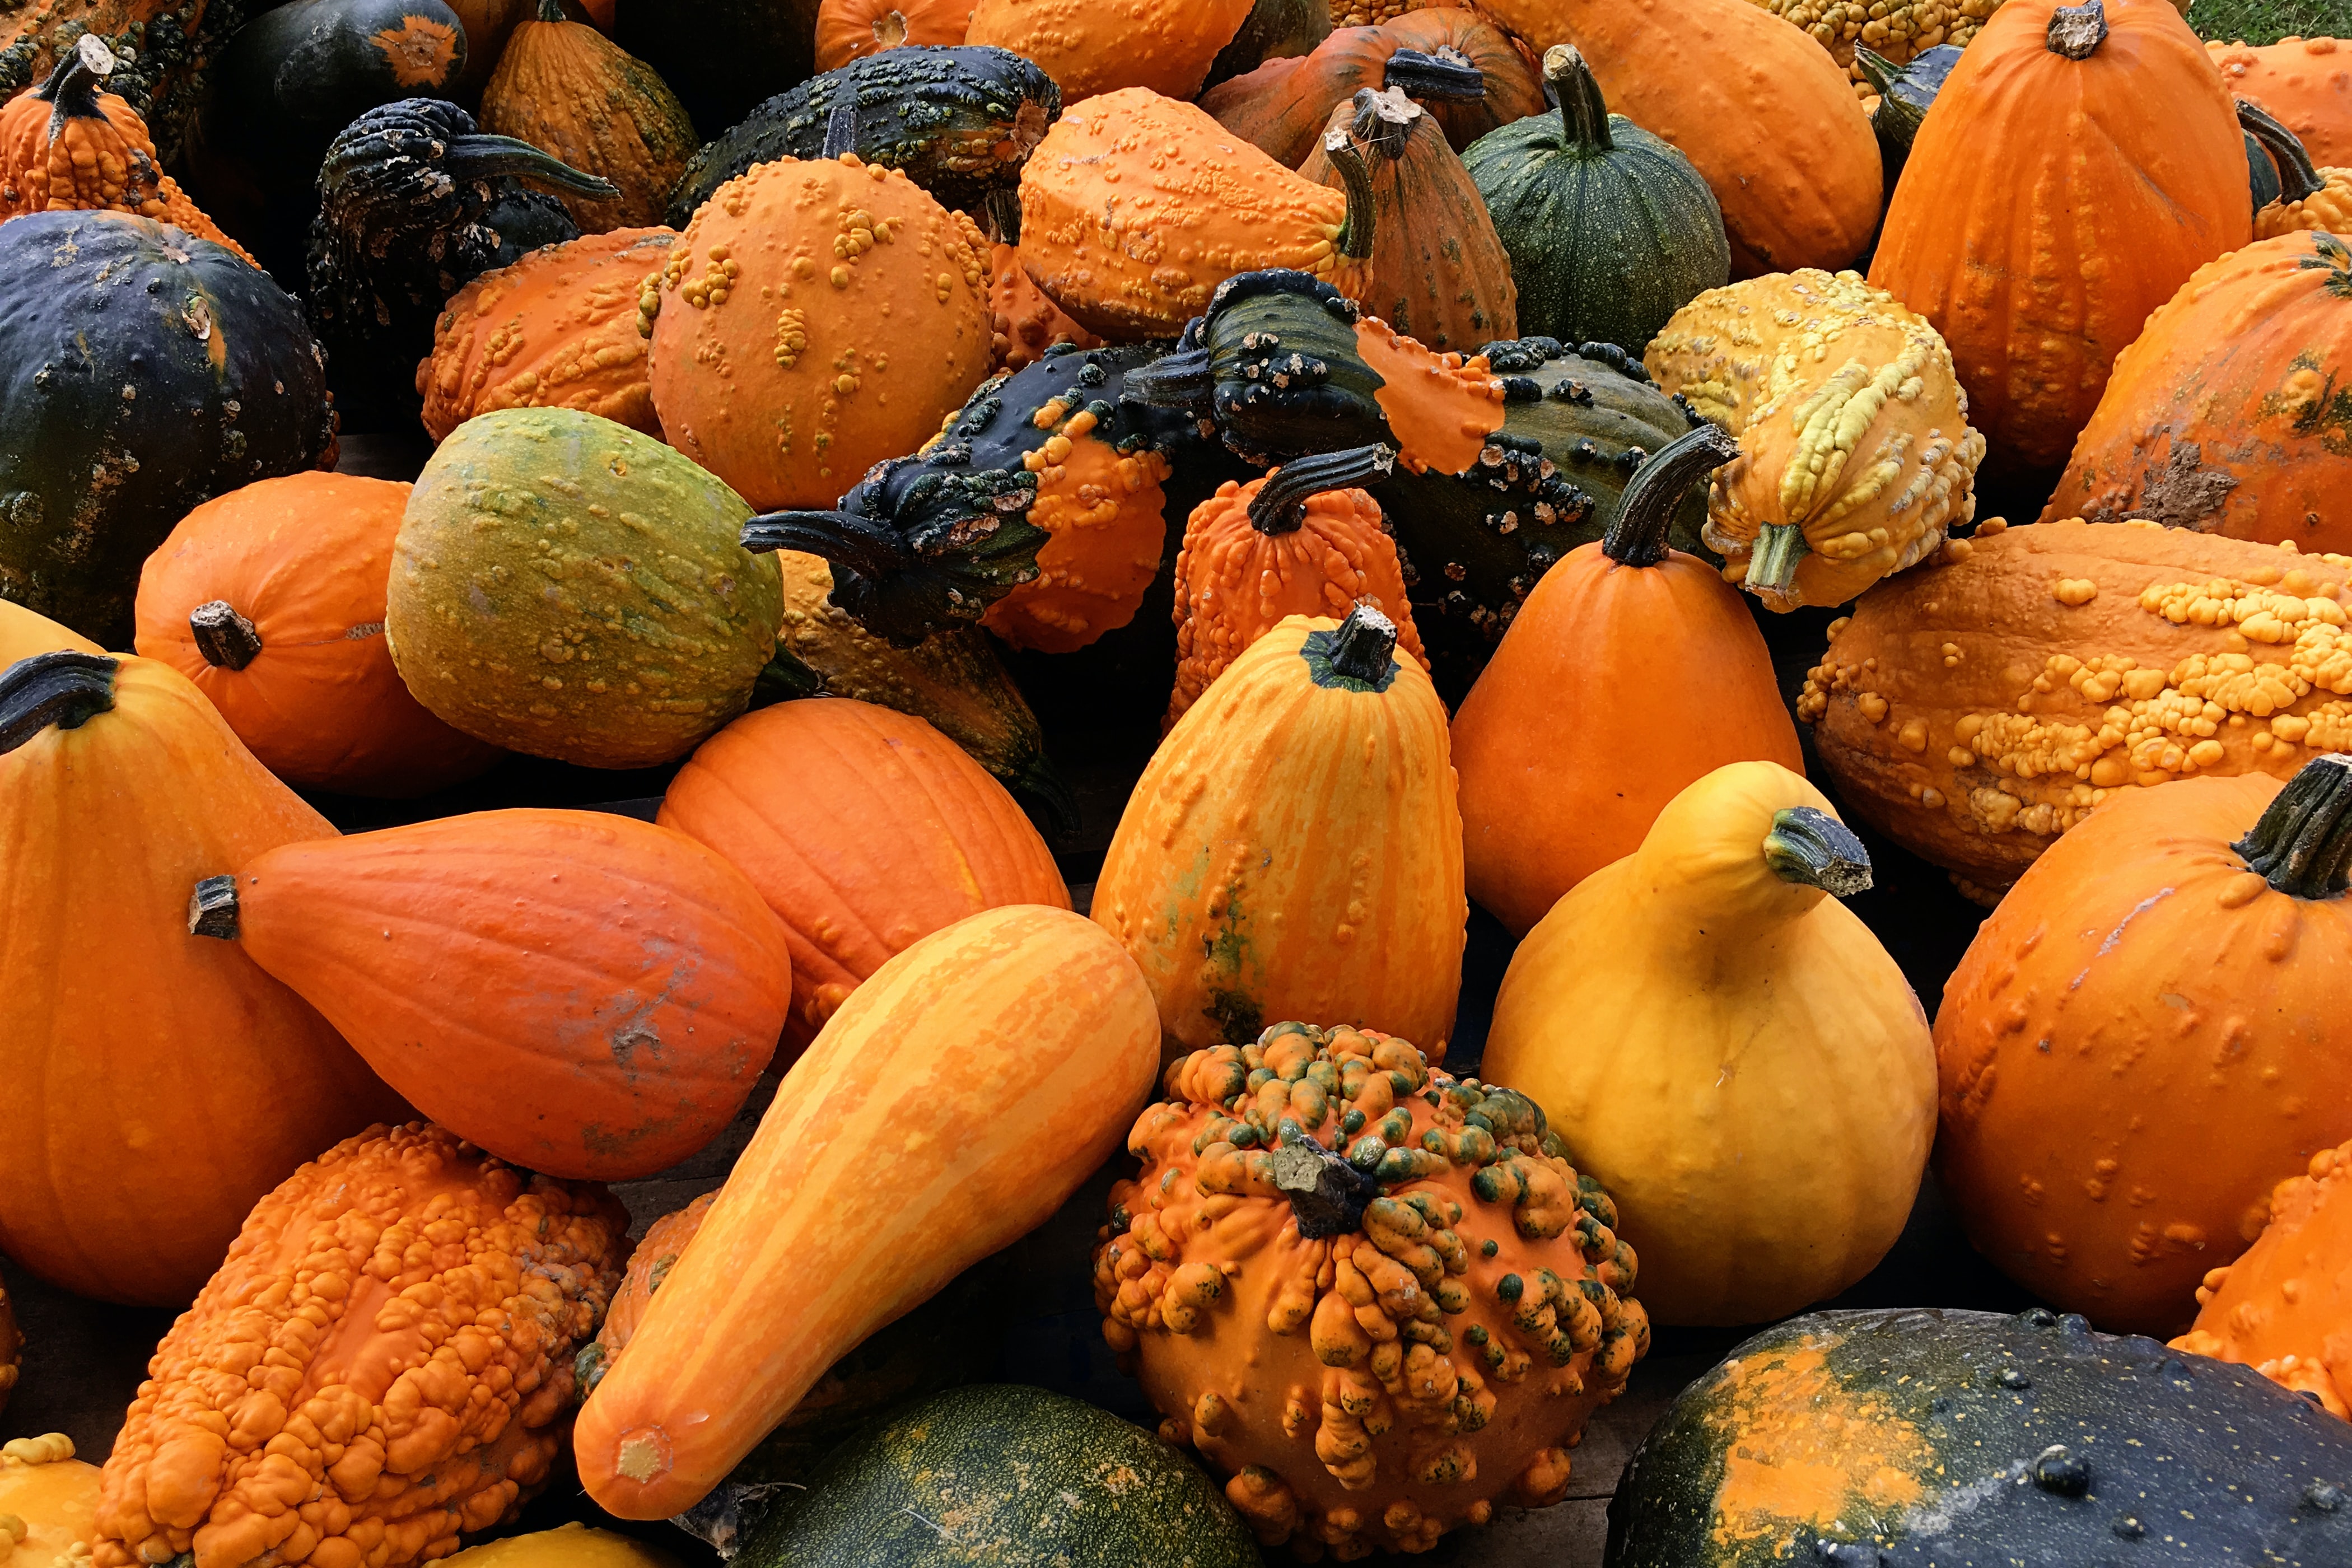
(2050, 205)
(865, 830)
(122, 1035)
(566, 89)
(1295, 851)
(990, 1068)
(847, 30)
(2306, 82)
(2280, 1308)
(2139, 1043)
(602, 1028)
(305, 558)
(2225, 416)
(1089, 46)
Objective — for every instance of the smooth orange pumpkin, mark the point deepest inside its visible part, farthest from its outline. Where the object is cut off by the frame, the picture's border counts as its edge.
(849, 30)
(1166, 46)
(2281, 1308)
(2306, 82)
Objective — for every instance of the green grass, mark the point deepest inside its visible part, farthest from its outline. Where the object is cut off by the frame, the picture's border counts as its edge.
(2268, 21)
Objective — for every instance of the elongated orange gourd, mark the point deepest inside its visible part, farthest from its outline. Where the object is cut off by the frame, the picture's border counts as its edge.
(951, 1105)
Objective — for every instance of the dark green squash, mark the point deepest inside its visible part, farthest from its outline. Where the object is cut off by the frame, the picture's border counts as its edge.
(167, 49)
(996, 1474)
(722, 58)
(2275, 158)
(1275, 30)
(960, 121)
(1904, 94)
(1941, 1439)
(141, 372)
(1610, 230)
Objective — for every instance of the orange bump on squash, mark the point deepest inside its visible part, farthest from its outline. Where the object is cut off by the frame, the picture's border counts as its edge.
(2306, 82)
(2280, 1308)
(1026, 320)
(816, 317)
(849, 30)
(1091, 47)
(383, 1362)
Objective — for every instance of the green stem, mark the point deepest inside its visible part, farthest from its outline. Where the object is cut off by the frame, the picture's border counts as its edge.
(869, 548)
(485, 157)
(213, 908)
(2302, 845)
(1356, 238)
(1584, 112)
(1364, 646)
(63, 690)
(2298, 176)
(1815, 849)
(1898, 118)
(551, 11)
(1637, 534)
(1772, 563)
(2077, 31)
(1446, 74)
(1280, 504)
(226, 639)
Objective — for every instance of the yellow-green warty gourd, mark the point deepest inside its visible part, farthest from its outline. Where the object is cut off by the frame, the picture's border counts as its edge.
(1728, 1051)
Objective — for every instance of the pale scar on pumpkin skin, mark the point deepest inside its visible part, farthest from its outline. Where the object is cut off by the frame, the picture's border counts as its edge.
(1811, 1452)
(418, 50)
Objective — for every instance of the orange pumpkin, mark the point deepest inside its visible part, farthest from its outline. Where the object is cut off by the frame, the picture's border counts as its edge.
(865, 830)
(1166, 46)
(2280, 1308)
(272, 599)
(849, 30)
(1028, 323)
(2306, 82)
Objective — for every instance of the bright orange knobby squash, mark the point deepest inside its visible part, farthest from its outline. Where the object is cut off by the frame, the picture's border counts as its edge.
(2280, 1309)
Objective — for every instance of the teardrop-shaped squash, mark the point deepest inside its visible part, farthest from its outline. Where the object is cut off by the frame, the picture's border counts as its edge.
(569, 92)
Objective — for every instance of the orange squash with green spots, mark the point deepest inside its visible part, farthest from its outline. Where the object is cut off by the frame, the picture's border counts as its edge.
(2280, 1308)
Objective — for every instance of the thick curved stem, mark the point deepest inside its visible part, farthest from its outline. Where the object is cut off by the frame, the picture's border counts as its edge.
(1280, 504)
(226, 639)
(485, 157)
(1446, 74)
(841, 125)
(1184, 379)
(1384, 121)
(1814, 848)
(1772, 565)
(72, 89)
(2302, 845)
(1328, 1195)
(1898, 118)
(1365, 644)
(869, 548)
(1584, 112)
(213, 908)
(1637, 534)
(60, 690)
(551, 11)
(2077, 31)
(1356, 238)
(2298, 178)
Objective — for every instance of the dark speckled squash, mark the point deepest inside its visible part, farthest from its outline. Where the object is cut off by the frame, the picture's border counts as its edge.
(1949, 1439)
(141, 372)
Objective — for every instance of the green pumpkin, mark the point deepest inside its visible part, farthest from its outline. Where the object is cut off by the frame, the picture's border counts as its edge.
(1610, 230)
(1009, 1477)
(567, 587)
(1939, 1439)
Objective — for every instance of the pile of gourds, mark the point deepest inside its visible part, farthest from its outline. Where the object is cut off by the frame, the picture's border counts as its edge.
(1427, 424)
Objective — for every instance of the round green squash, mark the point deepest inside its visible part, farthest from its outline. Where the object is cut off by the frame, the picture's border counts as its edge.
(1939, 1439)
(1002, 1477)
(567, 587)
(1610, 230)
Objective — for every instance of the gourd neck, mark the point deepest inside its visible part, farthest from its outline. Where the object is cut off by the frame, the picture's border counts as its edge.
(1446, 74)
(1356, 232)
(1583, 111)
(1809, 847)
(1384, 123)
(2302, 844)
(1358, 655)
(1280, 505)
(73, 88)
(62, 691)
(2077, 31)
(2298, 178)
(1637, 534)
(226, 638)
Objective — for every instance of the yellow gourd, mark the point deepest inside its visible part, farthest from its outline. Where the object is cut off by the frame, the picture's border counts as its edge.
(48, 1504)
(573, 1545)
(1728, 1051)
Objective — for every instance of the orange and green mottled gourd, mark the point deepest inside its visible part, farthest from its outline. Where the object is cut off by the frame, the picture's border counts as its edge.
(1379, 1300)
(421, 1303)
(2144, 1036)
(2082, 161)
(604, 1027)
(816, 317)
(120, 1035)
(569, 92)
(2306, 82)
(865, 830)
(1092, 46)
(1294, 849)
(573, 1545)
(1730, 1051)
(1855, 454)
(2227, 416)
(1135, 207)
(951, 1106)
(849, 30)
(48, 1503)
(1301, 542)
(1562, 774)
(559, 329)
(272, 599)
(2280, 1306)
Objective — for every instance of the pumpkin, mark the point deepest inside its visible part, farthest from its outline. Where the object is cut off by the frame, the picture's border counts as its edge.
(2306, 82)
(24, 632)
(1468, 73)
(1024, 1007)
(1708, 75)
(409, 940)
(2277, 1308)
(558, 329)
(571, 92)
(272, 599)
(118, 784)
(1855, 453)
(1377, 1338)
(90, 480)
(2142, 1020)
(2116, 657)
(1119, 228)
(1540, 743)
(2114, 104)
(2220, 418)
(442, 1413)
(1038, 511)
(847, 30)
(573, 1545)
(1729, 1050)
(1950, 1436)
(174, 42)
(1897, 32)
(1439, 272)
(1026, 320)
(843, 270)
(640, 633)
(1163, 46)
(959, 122)
(1322, 875)
(1905, 95)
(48, 1503)
(1299, 541)
(1610, 230)
(721, 57)
(865, 830)
(2309, 197)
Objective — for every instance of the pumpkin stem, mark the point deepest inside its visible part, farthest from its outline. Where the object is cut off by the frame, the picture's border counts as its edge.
(551, 11)
(869, 548)
(1772, 563)
(2077, 31)
(73, 87)
(226, 638)
(787, 678)
(1384, 123)
(841, 125)
(1184, 379)
(485, 157)
(890, 29)
(1447, 75)
(1584, 112)
(1898, 118)
(1327, 1194)
(1280, 504)
(66, 689)
(2302, 845)
(213, 908)
(2297, 177)
(1637, 534)
(1360, 654)
(1356, 236)
(1815, 849)
(1002, 208)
